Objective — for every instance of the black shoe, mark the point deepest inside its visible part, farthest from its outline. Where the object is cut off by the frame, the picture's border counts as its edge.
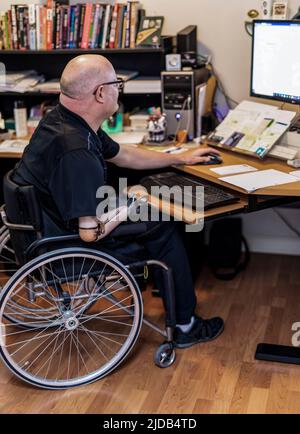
(203, 330)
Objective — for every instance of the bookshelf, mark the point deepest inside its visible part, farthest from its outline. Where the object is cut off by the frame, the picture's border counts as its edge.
(59, 25)
(149, 62)
(81, 50)
(45, 37)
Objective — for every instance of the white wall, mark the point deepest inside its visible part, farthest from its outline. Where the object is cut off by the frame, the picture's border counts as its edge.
(221, 32)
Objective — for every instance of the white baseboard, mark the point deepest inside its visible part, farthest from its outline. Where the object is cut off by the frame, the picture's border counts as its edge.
(275, 245)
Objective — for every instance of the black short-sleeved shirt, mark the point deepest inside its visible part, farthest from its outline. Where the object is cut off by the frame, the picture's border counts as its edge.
(65, 161)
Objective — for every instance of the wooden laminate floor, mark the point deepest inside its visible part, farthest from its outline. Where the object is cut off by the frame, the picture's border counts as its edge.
(217, 377)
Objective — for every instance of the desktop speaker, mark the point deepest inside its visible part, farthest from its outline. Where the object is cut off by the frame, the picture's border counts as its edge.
(173, 62)
(266, 9)
(187, 39)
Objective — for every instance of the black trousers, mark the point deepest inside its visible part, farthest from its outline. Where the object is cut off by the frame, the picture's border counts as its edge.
(161, 241)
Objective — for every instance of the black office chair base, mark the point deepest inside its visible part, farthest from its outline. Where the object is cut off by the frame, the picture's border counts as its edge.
(278, 353)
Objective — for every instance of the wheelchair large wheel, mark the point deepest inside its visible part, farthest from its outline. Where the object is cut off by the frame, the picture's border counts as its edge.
(96, 316)
(8, 266)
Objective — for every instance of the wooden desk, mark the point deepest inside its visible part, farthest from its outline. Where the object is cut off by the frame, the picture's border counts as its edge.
(203, 171)
(16, 155)
(262, 198)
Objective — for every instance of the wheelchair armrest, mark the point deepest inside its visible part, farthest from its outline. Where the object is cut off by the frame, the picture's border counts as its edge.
(49, 240)
(129, 229)
(122, 230)
(13, 226)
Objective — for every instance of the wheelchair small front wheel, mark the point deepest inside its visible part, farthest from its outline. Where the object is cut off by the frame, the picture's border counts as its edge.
(165, 355)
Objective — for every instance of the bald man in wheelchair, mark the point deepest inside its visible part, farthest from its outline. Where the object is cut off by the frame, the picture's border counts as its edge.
(66, 162)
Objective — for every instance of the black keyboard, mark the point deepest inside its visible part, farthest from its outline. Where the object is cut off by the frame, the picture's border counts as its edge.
(213, 196)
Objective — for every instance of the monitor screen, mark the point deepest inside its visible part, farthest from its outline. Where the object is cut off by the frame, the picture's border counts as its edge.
(275, 69)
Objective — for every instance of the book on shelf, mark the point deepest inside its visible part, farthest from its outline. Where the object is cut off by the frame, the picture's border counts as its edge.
(14, 33)
(58, 25)
(32, 26)
(113, 26)
(5, 31)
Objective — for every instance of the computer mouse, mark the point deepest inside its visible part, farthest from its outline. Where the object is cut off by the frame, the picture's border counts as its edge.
(214, 159)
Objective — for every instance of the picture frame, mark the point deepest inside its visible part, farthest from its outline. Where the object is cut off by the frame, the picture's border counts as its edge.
(280, 10)
(149, 31)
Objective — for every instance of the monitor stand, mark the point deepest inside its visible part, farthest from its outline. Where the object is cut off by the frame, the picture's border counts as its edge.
(292, 137)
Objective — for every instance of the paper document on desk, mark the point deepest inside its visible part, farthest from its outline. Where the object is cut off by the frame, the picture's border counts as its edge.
(259, 179)
(234, 168)
(295, 173)
(174, 150)
(254, 106)
(13, 146)
(252, 128)
(128, 138)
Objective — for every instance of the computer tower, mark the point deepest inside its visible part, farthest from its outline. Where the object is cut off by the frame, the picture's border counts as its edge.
(179, 99)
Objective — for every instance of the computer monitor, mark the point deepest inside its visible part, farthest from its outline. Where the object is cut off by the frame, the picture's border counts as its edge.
(275, 68)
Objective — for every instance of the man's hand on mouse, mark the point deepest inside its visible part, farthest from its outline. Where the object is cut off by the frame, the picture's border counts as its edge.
(196, 156)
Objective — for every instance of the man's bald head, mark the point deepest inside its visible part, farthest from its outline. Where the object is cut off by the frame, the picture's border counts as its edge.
(83, 73)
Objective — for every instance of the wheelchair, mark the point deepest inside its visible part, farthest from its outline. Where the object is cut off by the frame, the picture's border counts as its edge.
(69, 315)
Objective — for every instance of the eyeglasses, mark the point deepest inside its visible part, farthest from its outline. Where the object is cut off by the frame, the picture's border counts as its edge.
(118, 83)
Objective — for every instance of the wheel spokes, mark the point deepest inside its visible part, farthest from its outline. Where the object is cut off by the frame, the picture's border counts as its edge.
(82, 320)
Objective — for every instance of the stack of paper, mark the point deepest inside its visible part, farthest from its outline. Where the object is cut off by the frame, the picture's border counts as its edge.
(234, 168)
(51, 86)
(128, 138)
(13, 146)
(295, 173)
(143, 85)
(260, 179)
(138, 121)
(20, 81)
